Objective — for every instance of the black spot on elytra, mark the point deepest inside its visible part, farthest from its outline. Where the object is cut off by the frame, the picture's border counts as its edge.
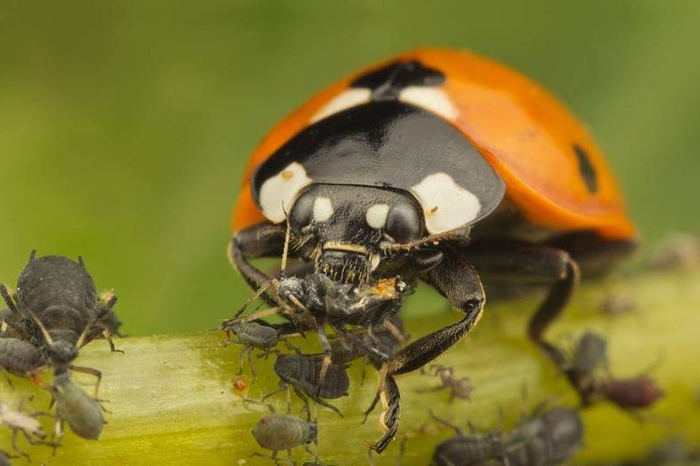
(588, 173)
(386, 83)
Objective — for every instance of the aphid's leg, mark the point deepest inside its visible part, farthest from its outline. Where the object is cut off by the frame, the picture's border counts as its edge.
(91, 371)
(282, 387)
(446, 423)
(531, 264)
(108, 336)
(253, 374)
(241, 358)
(262, 240)
(457, 280)
(305, 400)
(389, 419)
(15, 447)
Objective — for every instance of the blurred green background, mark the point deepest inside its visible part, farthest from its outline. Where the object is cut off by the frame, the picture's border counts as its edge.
(124, 126)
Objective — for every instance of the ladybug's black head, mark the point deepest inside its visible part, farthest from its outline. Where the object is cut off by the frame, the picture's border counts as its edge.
(343, 228)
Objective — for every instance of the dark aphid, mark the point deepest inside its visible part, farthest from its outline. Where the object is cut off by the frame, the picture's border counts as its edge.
(251, 336)
(20, 357)
(80, 411)
(459, 387)
(303, 373)
(639, 392)
(546, 440)
(27, 425)
(55, 309)
(468, 449)
(279, 432)
(580, 367)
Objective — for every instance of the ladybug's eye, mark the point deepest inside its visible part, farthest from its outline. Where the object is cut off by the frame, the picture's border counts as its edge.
(403, 223)
(301, 213)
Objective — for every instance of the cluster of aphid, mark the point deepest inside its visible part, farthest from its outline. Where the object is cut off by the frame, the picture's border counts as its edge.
(365, 324)
(54, 311)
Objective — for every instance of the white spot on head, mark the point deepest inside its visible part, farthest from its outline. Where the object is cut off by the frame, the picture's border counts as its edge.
(446, 205)
(278, 193)
(343, 101)
(376, 216)
(430, 98)
(323, 209)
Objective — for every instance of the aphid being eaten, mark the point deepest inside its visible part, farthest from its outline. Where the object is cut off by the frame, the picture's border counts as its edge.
(283, 432)
(80, 411)
(27, 425)
(57, 310)
(303, 373)
(548, 439)
(459, 387)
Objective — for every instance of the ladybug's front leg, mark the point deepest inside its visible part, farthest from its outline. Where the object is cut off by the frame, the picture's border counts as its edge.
(458, 281)
(262, 240)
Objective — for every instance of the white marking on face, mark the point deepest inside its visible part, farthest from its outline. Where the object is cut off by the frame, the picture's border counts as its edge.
(376, 216)
(323, 209)
(446, 205)
(278, 193)
(430, 98)
(343, 101)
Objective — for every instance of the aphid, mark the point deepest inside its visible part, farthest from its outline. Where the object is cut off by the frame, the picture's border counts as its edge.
(639, 392)
(55, 309)
(279, 432)
(459, 388)
(303, 373)
(545, 440)
(251, 336)
(417, 168)
(80, 411)
(677, 251)
(20, 422)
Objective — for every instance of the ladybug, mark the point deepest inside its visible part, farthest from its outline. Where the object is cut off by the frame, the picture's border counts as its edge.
(440, 166)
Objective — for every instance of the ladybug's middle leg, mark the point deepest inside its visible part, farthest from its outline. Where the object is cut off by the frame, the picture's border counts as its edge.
(531, 264)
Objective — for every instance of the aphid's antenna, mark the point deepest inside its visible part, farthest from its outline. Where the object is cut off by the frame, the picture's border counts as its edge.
(44, 332)
(32, 255)
(81, 261)
(252, 298)
(287, 235)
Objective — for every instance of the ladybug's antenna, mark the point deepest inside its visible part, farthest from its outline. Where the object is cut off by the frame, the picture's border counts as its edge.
(287, 236)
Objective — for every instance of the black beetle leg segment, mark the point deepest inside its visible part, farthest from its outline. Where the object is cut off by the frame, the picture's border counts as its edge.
(9, 298)
(389, 419)
(262, 240)
(524, 263)
(457, 280)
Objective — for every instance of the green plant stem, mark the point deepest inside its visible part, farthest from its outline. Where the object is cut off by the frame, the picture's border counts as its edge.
(172, 398)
